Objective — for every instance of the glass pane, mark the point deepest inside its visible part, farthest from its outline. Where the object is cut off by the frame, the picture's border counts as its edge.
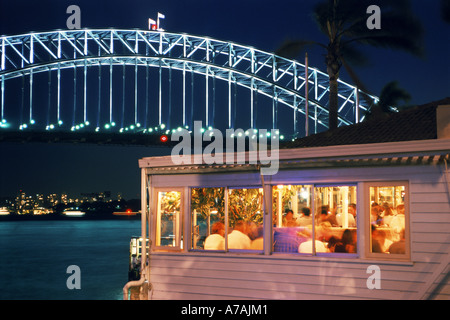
(245, 219)
(292, 217)
(387, 219)
(207, 210)
(335, 229)
(168, 222)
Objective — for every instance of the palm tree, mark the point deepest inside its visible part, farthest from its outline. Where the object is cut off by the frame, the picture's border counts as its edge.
(344, 23)
(389, 101)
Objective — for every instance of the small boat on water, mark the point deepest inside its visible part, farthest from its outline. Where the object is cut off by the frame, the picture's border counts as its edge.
(4, 211)
(73, 213)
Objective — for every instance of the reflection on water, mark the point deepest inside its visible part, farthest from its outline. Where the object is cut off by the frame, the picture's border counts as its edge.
(34, 256)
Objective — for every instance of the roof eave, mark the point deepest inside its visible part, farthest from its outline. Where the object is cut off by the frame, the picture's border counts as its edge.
(386, 149)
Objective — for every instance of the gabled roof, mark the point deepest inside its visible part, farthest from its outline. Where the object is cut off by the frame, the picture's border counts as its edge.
(418, 123)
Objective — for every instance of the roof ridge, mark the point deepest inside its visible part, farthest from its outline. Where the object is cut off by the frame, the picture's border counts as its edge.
(415, 123)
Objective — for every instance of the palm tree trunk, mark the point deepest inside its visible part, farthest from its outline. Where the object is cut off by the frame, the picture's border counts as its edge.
(333, 67)
(333, 104)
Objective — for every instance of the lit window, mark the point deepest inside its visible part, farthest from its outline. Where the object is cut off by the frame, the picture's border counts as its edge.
(245, 219)
(169, 220)
(336, 218)
(208, 216)
(388, 220)
(332, 224)
(241, 219)
(292, 217)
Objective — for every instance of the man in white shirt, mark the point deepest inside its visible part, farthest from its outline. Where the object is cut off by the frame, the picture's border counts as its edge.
(216, 240)
(321, 232)
(238, 239)
(306, 247)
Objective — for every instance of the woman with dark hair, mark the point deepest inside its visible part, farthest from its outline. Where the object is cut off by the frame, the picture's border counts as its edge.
(347, 243)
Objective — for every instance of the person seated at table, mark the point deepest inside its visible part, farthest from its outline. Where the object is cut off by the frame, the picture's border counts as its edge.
(347, 244)
(258, 241)
(375, 217)
(351, 219)
(387, 214)
(287, 240)
(288, 220)
(332, 243)
(305, 219)
(238, 238)
(322, 233)
(216, 240)
(399, 246)
(397, 222)
(376, 245)
(385, 243)
(322, 216)
(332, 216)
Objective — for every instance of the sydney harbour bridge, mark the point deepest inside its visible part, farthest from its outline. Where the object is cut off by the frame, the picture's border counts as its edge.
(131, 86)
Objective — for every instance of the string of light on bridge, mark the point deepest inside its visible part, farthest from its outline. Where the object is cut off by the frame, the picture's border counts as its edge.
(155, 82)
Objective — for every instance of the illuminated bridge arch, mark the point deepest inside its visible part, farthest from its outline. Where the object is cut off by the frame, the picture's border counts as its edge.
(139, 81)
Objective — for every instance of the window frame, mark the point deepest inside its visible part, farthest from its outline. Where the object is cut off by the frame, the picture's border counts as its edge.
(314, 253)
(180, 233)
(368, 226)
(226, 220)
(363, 225)
(227, 227)
(190, 220)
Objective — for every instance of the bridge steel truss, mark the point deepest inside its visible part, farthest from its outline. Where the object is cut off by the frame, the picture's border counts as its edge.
(262, 73)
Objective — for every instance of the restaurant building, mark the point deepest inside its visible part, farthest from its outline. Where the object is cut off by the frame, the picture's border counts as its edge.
(361, 212)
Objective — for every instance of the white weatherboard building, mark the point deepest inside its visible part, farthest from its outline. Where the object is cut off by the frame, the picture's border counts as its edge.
(378, 194)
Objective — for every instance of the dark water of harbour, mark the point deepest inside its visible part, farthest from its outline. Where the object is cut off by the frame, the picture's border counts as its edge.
(34, 256)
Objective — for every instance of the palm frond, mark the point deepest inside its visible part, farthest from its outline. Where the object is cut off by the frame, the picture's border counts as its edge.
(292, 49)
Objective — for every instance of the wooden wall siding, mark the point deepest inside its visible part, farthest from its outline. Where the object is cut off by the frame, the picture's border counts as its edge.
(232, 276)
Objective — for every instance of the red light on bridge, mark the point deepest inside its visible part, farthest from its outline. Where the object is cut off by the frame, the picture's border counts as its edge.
(164, 138)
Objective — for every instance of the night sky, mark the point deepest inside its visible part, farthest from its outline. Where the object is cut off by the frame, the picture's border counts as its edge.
(75, 169)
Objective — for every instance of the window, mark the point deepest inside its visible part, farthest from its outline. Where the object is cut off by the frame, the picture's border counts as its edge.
(241, 219)
(245, 219)
(208, 218)
(168, 227)
(388, 216)
(336, 219)
(292, 217)
(304, 212)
